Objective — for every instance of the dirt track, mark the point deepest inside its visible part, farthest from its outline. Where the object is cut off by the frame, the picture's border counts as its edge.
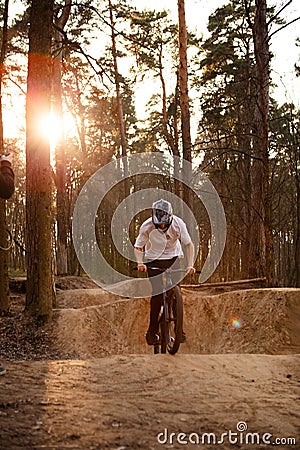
(110, 398)
(125, 402)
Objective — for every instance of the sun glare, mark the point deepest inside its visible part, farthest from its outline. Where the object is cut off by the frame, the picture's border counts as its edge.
(56, 129)
(51, 127)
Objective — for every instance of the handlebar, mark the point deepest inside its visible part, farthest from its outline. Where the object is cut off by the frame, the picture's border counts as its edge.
(169, 270)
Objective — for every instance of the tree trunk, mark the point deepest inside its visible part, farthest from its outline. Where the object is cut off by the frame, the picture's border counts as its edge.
(4, 282)
(120, 112)
(260, 235)
(171, 140)
(40, 292)
(297, 234)
(243, 172)
(60, 157)
(184, 93)
(117, 84)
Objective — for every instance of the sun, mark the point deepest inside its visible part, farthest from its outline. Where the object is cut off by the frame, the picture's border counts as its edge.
(52, 128)
(56, 129)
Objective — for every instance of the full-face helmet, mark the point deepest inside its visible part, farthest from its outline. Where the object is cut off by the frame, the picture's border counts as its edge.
(162, 213)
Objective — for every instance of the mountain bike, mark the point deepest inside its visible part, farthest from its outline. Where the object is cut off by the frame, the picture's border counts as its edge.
(170, 318)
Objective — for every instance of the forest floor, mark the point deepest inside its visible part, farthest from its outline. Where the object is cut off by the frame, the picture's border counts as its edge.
(89, 381)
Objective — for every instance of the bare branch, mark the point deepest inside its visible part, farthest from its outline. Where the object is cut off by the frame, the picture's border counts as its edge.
(225, 153)
(283, 26)
(247, 10)
(66, 9)
(280, 11)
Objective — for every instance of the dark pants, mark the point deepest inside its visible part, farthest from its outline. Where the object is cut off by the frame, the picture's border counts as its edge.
(156, 283)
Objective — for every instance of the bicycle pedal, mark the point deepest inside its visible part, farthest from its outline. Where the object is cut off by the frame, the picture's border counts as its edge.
(152, 339)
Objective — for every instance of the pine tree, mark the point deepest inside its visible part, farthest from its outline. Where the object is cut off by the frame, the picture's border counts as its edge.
(260, 231)
(4, 282)
(60, 21)
(225, 129)
(40, 292)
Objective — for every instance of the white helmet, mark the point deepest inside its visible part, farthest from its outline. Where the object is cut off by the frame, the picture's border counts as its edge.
(162, 213)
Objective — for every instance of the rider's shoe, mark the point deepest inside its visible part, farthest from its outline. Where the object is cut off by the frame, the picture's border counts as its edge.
(183, 337)
(152, 338)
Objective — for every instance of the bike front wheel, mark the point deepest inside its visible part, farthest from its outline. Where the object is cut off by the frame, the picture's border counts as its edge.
(176, 312)
(164, 335)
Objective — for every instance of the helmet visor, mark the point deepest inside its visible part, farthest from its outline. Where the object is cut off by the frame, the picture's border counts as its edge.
(161, 217)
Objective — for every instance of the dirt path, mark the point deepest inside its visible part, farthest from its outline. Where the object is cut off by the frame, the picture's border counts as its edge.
(126, 402)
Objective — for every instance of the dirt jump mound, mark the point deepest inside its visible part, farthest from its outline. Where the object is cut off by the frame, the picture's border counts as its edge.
(95, 323)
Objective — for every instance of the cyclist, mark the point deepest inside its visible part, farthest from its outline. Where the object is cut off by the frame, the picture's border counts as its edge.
(161, 237)
(7, 186)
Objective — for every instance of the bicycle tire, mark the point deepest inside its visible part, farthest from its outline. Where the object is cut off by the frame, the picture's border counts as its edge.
(164, 327)
(177, 313)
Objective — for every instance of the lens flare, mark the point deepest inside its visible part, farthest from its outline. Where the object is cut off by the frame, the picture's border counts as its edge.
(235, 322)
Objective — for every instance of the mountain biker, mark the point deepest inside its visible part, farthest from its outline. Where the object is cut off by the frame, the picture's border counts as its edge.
(7, 187)
(161, 237)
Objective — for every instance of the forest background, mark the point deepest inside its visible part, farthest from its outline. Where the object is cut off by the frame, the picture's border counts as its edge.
(73, 108)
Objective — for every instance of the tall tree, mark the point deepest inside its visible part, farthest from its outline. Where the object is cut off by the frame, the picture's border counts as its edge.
(117, 81)
(227, 103)
(40, 292)
(60, 157)
(183, 84)
(184, 95)
(4, 282)
(153, 40)
(260, 232)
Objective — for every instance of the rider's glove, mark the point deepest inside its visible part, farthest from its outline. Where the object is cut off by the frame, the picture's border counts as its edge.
(7, 158)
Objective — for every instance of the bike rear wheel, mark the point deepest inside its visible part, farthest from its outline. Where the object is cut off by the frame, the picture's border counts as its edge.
(176, 313)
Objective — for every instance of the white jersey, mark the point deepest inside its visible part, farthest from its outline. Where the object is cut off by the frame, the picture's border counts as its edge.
(160, 245)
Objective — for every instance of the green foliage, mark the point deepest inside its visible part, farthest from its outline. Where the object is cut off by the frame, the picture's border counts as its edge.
(151, 34)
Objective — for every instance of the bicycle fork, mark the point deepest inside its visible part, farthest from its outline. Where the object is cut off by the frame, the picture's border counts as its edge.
(164, 308)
